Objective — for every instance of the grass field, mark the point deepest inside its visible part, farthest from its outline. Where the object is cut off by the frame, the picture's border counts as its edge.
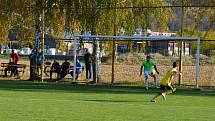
(28, 101)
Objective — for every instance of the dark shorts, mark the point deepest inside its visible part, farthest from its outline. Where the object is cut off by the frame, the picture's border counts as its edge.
(163, 87)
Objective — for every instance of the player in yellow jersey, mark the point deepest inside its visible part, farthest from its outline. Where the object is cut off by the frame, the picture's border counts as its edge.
(165, 84)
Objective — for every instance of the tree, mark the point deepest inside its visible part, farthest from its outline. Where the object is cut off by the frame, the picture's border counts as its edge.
(101, 17)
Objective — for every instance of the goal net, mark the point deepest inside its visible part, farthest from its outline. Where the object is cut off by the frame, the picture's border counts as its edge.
(129, 53)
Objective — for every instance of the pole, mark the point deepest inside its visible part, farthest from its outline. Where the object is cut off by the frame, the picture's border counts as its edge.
(113, 60)
(42, 45)
(95, 45)
(114, 48)
(181, 63)
(181, 44)
(197, 63)
(74, 58)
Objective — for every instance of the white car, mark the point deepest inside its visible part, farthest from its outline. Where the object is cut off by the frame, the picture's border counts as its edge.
(51, 51)
(24, 51)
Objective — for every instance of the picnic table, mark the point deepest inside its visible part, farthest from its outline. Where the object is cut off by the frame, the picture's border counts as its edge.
(20, 67)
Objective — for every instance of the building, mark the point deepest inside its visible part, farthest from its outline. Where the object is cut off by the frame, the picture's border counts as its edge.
(167, 47)
(162, 47)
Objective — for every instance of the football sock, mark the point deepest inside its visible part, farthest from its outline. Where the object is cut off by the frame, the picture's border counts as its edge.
(155, 82)
(146, 83)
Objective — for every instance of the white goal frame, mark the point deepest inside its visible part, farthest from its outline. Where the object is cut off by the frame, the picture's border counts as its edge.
(139, 38)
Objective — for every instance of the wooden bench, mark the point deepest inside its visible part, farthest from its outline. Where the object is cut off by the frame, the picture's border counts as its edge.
(20, 67)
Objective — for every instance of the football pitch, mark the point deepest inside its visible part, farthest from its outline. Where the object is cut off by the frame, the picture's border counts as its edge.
(28, 101)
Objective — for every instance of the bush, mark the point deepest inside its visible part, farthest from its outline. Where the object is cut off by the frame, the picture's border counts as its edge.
(188, 60)
(138, 58)
(157, 55)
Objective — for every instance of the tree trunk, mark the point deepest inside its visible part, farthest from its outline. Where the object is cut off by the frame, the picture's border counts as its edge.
(33, 67)
(33, 57)
(0, 48)
(95, 44)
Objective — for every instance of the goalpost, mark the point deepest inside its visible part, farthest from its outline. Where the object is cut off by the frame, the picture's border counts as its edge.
(132, 38)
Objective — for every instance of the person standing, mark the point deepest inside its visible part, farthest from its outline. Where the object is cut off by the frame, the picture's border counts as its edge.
(39, 61)
(79, 68)
(88, 64)
(148, 65)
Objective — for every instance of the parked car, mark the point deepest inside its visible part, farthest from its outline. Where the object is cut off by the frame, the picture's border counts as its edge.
(24, 51)
(51, 51)
(5, 49)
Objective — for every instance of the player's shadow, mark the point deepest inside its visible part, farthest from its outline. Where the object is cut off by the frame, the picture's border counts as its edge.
(114, 101)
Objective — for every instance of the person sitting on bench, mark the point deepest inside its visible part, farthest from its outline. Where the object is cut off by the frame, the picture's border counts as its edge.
(64, 69)
(55, 69)
(15, 58)
(79, 67)
(10, 68)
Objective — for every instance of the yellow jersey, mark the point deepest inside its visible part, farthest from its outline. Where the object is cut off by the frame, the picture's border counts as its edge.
(166, 80)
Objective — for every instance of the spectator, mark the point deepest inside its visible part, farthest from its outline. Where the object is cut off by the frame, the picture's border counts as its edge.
(65, 68)
(33, 55)
(79, 67)
(15, 59)
(14, 56)
(9, 68)
(56, 69)
(39, 59)
(88, 64)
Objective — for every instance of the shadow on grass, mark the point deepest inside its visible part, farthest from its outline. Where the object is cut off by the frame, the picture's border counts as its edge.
(16, 85)
(116, 101)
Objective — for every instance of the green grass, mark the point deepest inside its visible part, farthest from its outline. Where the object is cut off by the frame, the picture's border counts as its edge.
(28, 101)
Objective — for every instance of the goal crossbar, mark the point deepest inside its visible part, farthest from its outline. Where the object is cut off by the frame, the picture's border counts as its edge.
(148, 38)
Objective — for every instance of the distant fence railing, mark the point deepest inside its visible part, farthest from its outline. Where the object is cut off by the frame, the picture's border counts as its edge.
(53, 57)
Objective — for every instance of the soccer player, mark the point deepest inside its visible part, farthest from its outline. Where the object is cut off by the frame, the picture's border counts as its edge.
(148, 65)
(165, 84)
